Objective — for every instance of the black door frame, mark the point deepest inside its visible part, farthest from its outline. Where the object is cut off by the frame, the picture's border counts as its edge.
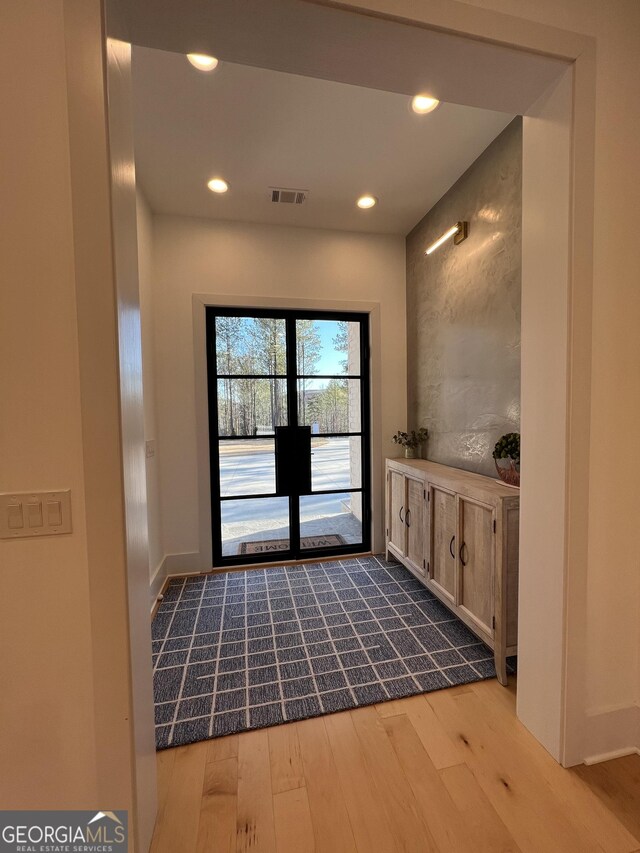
(290, 376)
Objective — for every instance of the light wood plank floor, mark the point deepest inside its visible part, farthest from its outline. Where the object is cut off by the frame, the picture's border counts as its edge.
(446, 772)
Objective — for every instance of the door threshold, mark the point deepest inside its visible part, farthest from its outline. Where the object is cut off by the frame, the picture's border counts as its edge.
(217, 570)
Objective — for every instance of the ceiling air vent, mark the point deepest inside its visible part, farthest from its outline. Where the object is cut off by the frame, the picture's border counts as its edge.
(280, 195)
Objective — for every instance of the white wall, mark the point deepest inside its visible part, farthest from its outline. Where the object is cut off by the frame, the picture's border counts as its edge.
(69, 722)
(257, 261)
(44, 611)
(145, 250)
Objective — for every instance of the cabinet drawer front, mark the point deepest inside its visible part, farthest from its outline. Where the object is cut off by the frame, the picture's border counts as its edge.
(443, 540)
(476, 559)
(397, 508)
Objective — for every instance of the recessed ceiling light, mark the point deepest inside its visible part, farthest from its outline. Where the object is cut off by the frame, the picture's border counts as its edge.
(202, 62)
(218, 185)
(366, 201)
(422, 104)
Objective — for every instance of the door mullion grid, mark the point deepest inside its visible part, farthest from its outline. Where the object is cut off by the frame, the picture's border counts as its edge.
(292, 420)
(365, 430)
(214, 440)
(292, 394)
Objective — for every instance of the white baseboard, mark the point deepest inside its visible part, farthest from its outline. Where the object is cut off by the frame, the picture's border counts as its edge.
(157, 581)
(612, 733)
(609, 756)
(173, 565)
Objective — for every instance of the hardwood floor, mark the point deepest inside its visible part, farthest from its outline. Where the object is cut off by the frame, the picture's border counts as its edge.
(446, 772)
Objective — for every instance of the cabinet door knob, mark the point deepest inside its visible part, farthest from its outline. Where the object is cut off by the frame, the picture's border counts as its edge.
(453, 539)
(408, 518)
(400, 513)
(462, 547)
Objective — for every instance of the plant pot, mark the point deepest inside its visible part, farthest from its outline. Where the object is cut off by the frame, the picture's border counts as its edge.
(411, 453)
(508, 471)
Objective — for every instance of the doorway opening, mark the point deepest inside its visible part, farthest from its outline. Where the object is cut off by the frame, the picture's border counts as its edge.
(289, 434)
(557, 139)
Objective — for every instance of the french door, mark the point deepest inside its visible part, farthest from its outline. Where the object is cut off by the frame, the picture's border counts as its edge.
(289, 434)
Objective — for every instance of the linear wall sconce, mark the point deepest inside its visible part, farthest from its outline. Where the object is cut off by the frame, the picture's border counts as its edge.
(459, 232)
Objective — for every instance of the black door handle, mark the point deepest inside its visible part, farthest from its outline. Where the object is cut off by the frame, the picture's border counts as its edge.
(293, 460)
(408, 518)
(400, 513)
(453, 539)
(462, 547)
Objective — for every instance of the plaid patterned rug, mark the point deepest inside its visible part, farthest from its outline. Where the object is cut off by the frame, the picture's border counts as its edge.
(243, 650)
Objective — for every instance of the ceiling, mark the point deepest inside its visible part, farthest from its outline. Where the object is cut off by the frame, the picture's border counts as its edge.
(259, 128)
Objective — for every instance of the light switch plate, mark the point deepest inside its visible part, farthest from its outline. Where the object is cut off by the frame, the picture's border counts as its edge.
(34, 514)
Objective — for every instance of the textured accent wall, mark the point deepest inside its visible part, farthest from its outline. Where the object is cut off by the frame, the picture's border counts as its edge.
(463, 311)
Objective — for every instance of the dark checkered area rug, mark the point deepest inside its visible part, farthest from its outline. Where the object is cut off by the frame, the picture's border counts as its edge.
(243, 650)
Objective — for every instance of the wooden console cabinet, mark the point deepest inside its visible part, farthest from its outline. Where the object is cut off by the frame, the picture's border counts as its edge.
(457, 532)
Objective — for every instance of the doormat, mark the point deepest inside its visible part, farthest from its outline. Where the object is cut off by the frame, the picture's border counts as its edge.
(246, 649)
(268, 546)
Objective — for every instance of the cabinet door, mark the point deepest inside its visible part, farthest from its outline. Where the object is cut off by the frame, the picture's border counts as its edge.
(443, 541)
(396, 526)
(476, 559)
(416, 522)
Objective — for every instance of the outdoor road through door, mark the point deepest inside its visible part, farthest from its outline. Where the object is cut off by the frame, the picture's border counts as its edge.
(289, 434)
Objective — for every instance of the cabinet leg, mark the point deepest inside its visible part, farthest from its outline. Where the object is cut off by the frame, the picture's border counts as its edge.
(501, 667)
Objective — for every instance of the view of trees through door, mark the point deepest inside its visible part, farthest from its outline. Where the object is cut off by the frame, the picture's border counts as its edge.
(288, 403)
(257, 346)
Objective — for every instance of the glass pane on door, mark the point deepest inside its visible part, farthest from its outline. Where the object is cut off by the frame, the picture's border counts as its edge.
(250, 345)
(329, 405)
(328, 347)
(251, 407)
(247, 467)
(334, 518)
(336, 463)
(255, 526)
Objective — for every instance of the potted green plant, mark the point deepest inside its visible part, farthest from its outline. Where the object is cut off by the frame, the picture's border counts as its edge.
(506, 455)
(411, 441)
